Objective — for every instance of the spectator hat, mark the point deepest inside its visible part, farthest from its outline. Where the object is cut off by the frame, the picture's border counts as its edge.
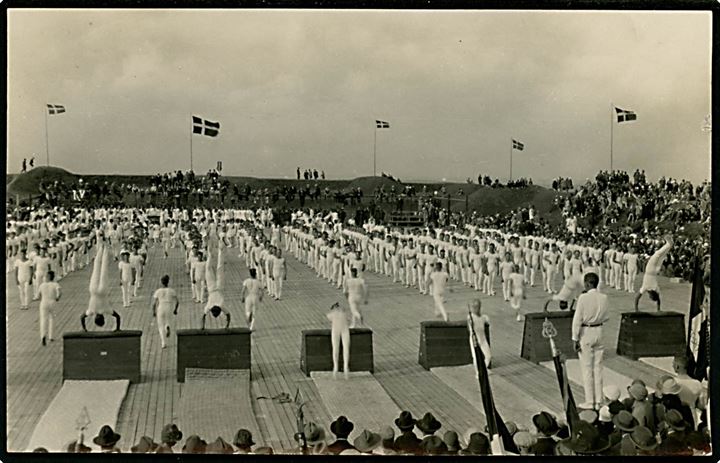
(387, 434)
(586, 439)
(342, 427)
(604, 415)
(616, 407)
(675, 420)
(405, 421)
(106, 437)
(314, 433)
(194, 444)
(478, 445)
(643, 438)
(367, 441)
(219, 446)
(73, 447)
(588, 416)
(511, 427)
(545, 423)
(144, 445)
(638, 391)
(170, 434)
(243, 438)
(263, 451)
(611, 392)
(433, 445)
(670, 386)
(524, 439)
(452, 441)
(625, 421)
(428, 424)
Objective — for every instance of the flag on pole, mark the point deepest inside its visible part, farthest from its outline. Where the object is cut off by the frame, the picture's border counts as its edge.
(500, 438)
(382, 124)
(624, 115)
(204, 127)
(517, 145)
(698, 330)
(571, 413)
(55, 109)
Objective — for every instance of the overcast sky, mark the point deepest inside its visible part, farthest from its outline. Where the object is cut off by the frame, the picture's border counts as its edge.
(303, 88)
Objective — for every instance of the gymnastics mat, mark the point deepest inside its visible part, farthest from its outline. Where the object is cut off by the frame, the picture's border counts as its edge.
(361, 399)
(512, 402)
(572, 366)
(661, 363)
(216, 403)
(57, 427)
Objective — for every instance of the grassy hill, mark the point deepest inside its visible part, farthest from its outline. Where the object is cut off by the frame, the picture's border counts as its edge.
(485, 200)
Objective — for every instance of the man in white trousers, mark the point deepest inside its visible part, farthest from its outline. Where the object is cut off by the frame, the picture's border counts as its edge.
(356, 291)
(439, 280)
(23, 277)
(49, 295)
(591, 313)
(279, 273)
(164, 303)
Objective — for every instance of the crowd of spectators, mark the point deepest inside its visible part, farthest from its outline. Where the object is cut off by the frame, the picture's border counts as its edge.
(671, 420)
(311, 174)
(562, 184)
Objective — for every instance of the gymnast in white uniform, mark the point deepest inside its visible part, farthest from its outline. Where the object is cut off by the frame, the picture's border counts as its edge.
(100, 289)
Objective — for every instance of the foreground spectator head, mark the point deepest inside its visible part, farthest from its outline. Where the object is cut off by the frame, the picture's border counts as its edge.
(243, 440)
(264, 451)
(478, 444)
(604, 416)
(74, 447)
(670, 386)
(428, 424)
(611, 392)
(546, 424)
(170, 434)
(643, 439)
(219, 447)
(405, 422)
(40, 450)
(106, 438)
(342, 427)
(144, 445)
(194, 444)
(367, 441)
(524, 441)
(452, 441)
(589, 416)
(638, 391)
(387, 437)
(674, 420)
(625, 421)
(433, 445)
(586, 440)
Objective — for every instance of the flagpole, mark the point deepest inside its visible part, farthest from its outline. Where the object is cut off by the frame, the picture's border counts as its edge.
(47, 142)
(191, 134)
(612, 107)
(511, 153)
(375, 153)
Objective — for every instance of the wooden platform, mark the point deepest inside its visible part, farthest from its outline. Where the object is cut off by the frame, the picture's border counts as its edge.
(34, 372)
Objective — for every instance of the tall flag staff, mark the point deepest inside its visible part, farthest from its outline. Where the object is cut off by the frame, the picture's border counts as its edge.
(379, 125)
(571, 413)
(516, 145)
(622, 116)
(51, 109)
(202, 126)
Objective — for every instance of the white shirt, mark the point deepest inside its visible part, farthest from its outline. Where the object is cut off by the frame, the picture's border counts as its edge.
(166, 298)
(591, 308)
(23, 268)
(439, 282)
(49, 292)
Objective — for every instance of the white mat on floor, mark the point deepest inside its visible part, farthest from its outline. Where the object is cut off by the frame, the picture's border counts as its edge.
(57, 427)
(513, 404)
(661, 363)
(361, 399)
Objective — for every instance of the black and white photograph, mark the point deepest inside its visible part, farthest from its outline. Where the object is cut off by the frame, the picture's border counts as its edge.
(293, 231)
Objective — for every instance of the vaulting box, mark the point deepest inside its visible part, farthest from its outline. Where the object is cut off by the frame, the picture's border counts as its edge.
(316, 351)
(102, 355)
(535, 347)
(445, 344)
(651, 334)
(216, 349)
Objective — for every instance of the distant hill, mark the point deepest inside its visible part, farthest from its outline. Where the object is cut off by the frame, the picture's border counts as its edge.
(486, 200)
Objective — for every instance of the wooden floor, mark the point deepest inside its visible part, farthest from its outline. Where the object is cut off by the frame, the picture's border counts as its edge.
(394, 313)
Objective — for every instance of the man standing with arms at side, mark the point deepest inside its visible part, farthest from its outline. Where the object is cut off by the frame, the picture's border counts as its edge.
(590, 314)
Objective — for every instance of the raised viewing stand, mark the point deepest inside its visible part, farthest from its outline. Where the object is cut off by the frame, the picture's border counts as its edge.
(316, 351)
(651, 334)
(102, 355)
(213, 349)
(535, 347)
(445, 344)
